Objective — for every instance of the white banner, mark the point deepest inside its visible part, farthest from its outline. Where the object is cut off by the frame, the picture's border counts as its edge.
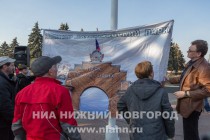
(124, 47)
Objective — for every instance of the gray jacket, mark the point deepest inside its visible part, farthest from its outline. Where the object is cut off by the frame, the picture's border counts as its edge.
(148, 98)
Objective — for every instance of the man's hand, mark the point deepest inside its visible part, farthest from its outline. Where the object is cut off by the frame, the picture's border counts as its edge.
(179, 94)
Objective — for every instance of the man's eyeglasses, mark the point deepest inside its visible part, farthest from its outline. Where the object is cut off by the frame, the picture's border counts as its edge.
(191, 51)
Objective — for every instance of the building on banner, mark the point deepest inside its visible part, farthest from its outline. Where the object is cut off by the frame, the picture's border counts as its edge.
(107, 59)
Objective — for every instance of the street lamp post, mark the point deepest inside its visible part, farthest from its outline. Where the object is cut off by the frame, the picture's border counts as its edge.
(111, 128)
(114, 14)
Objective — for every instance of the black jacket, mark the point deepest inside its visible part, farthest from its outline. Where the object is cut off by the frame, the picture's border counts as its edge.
(6, 100)
(23, 81)
(146, 95)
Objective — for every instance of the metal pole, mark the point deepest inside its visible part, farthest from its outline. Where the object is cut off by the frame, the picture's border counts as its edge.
(209, 58)
(114, 14)
(111, 128)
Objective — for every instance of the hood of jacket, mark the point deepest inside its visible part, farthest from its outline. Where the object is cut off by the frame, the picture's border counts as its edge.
(145, 88)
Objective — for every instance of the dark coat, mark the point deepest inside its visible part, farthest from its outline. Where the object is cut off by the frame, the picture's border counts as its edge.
(6, 100)
(146, 95)
(23, 81)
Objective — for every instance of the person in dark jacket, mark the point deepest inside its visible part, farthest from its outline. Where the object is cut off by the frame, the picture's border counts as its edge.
(147, 97)
(23, 79)
(6, 98)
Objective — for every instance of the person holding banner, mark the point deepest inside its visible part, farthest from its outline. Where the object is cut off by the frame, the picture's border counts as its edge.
(194, 87)
(47, 96)
(147, 96)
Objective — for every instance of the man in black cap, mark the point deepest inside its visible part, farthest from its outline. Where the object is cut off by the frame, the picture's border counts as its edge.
(44, 95)
(6, 97)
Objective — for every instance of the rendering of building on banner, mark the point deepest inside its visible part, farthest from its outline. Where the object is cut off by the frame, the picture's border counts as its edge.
(106, 60)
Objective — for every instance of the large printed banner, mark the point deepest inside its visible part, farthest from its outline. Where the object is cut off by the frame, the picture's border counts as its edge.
(123, 47)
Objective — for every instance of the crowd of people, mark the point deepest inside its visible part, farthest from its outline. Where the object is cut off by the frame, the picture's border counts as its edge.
(23, 94)
(19, 99)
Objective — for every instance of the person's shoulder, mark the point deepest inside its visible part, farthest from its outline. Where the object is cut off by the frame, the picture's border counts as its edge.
(19, 94)
(204, 66)
(61, 91)
(4, 81)
(2, 77)
(159, 88)
(60, 87)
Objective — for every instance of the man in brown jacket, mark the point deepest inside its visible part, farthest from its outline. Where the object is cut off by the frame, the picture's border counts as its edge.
(194, 87)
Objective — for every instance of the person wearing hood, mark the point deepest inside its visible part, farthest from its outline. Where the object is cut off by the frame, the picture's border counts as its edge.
(147, 98)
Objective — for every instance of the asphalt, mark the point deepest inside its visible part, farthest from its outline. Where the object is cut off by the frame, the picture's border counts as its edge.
(204, 123)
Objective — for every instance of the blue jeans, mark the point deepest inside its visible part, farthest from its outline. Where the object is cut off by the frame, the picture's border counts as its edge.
(206, 105)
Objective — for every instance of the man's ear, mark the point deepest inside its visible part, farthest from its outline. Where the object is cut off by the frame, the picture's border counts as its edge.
(50, 71)
(199, 54)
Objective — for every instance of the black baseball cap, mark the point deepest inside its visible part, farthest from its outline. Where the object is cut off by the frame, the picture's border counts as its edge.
(41, 65)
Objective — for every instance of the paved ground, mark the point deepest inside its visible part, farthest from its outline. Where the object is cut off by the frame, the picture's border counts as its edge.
(204, 128)
(204, 123)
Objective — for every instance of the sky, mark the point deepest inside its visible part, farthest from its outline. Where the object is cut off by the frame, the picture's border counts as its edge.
(191, 17)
